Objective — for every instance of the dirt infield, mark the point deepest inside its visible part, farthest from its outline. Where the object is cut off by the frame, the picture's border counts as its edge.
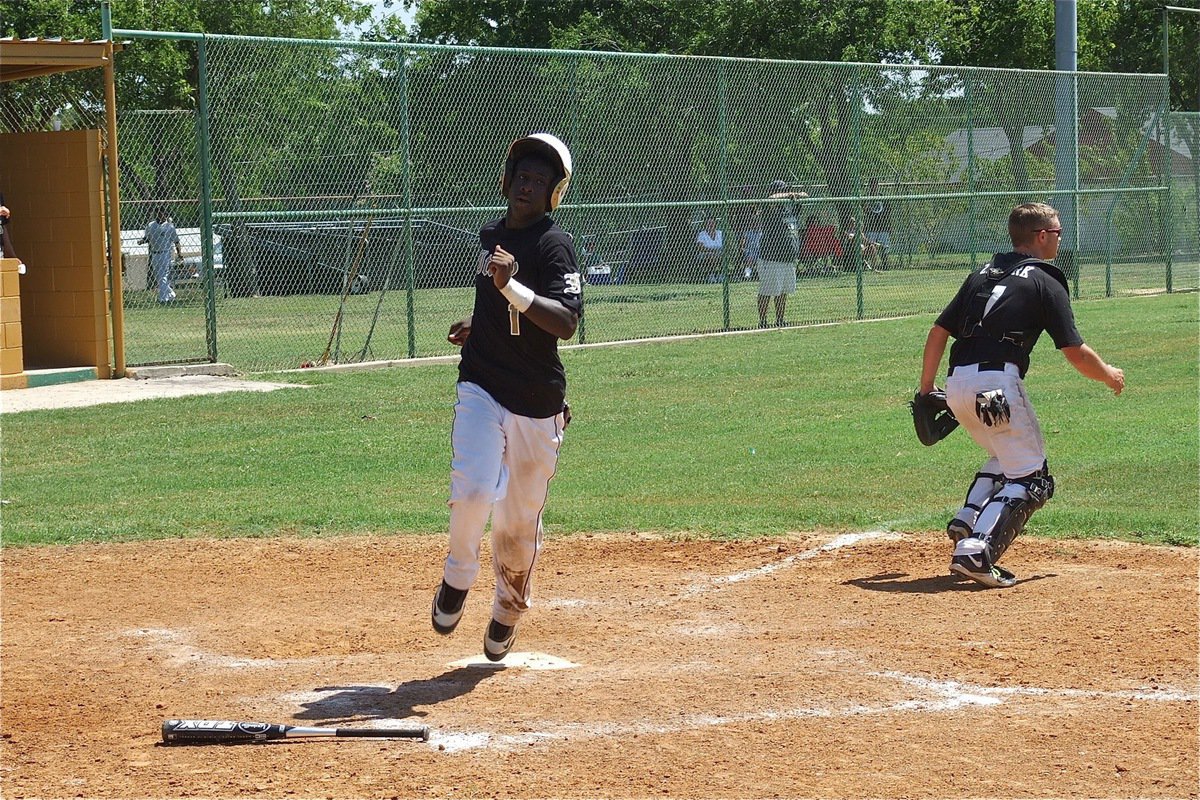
(833, 667)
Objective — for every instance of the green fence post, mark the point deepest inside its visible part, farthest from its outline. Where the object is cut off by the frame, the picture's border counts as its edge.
(206, 220)
(1168, 212)
(1168, 232)
(572, 139)
(1194, 144)
(723, 115)
(1168, 228)
(410, 277)
(971, 210)
(858, 204)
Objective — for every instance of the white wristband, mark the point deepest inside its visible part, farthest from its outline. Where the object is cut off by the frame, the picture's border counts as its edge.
(520, 295)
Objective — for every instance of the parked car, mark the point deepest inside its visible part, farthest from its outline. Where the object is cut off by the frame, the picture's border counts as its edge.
(190, 269)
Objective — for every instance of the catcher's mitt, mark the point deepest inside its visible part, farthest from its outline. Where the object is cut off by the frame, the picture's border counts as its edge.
(932, 418)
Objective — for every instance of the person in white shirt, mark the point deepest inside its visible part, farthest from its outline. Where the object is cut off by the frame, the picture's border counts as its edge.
(160, 235)
(709, 241)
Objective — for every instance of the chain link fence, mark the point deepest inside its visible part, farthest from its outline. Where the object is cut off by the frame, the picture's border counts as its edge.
(328, 194)
(1185, 197)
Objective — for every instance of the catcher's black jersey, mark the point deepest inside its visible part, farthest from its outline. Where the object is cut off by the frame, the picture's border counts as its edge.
(521, 369)
(1001, 320)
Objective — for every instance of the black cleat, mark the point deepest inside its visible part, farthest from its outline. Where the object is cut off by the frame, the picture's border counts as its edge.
(448, 605)
(498, 640)
(971, 561)
(957, 530)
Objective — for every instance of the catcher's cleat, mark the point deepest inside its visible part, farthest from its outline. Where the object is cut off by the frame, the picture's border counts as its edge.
(976, 568)
(448, 605)
(957, 530)
(498, 640)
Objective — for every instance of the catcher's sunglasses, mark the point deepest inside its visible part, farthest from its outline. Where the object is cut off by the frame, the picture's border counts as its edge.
(1055, 231)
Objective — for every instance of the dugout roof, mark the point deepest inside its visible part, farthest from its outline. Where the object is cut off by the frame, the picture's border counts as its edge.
(28, 58)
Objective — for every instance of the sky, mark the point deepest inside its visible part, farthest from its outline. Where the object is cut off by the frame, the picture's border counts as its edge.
(379, 12)
(397, 8)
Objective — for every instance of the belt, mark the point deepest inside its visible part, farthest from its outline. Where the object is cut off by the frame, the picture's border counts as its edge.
(984, 366)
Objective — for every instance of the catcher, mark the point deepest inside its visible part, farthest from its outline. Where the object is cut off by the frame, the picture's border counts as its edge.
(996, 319)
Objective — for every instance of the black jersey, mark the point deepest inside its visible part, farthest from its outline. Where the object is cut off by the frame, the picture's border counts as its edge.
(877, 216)
(521, 370)
(1001, 310)
(779, 239)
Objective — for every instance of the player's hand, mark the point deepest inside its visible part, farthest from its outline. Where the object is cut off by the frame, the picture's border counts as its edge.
(502, 265)
(1115, 379)
(459, 331)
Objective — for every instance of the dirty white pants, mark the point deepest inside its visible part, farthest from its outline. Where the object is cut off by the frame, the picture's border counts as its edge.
(502, 468)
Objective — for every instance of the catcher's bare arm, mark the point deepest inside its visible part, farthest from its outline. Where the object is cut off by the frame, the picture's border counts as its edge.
(931, 361)
(1090, 365)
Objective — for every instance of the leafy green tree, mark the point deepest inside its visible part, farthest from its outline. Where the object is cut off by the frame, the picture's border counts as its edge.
(818, 119)
(160, 74)
(1114, 35)
(151, 74)
(1134, 44)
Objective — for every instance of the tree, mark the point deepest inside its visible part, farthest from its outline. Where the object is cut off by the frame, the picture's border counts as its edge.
(153, 74)
(1134, 44)
(819, 116)
(160, 74)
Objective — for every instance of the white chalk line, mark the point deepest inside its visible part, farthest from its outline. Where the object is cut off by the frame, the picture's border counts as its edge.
(180, 652)
(1151, 694)
(947, 696)
(844, 540)
(717, 581)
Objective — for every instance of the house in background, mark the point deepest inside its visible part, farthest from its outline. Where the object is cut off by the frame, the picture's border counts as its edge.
(1102, 165)
(1096, 133)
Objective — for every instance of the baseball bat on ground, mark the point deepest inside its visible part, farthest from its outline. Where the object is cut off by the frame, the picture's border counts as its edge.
(214, 731)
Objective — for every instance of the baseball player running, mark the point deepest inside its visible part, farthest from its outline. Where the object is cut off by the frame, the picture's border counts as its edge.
(996, 319)
(511, 411)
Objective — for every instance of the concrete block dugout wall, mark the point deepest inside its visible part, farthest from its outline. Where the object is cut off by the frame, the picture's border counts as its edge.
(53, 182)
(12, 360)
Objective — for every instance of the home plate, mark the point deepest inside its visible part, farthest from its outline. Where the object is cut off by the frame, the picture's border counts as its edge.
(523, 660)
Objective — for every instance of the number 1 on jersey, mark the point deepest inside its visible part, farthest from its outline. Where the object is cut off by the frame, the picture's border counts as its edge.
(514, 320)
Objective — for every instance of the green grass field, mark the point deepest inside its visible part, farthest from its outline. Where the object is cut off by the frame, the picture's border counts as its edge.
(733, 436)
(268, 333)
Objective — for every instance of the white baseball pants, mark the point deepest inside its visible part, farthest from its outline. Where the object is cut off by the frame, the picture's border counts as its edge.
(1015, 448)
(501, 468)
(1017, 445)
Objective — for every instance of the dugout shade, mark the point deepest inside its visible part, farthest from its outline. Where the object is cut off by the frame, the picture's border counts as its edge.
(62, 320)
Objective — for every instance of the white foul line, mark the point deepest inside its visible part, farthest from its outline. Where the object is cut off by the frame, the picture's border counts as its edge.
(844, 540)
(947, 696)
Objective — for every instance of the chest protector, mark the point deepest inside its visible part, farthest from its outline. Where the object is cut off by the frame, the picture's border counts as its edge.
(976, 322)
